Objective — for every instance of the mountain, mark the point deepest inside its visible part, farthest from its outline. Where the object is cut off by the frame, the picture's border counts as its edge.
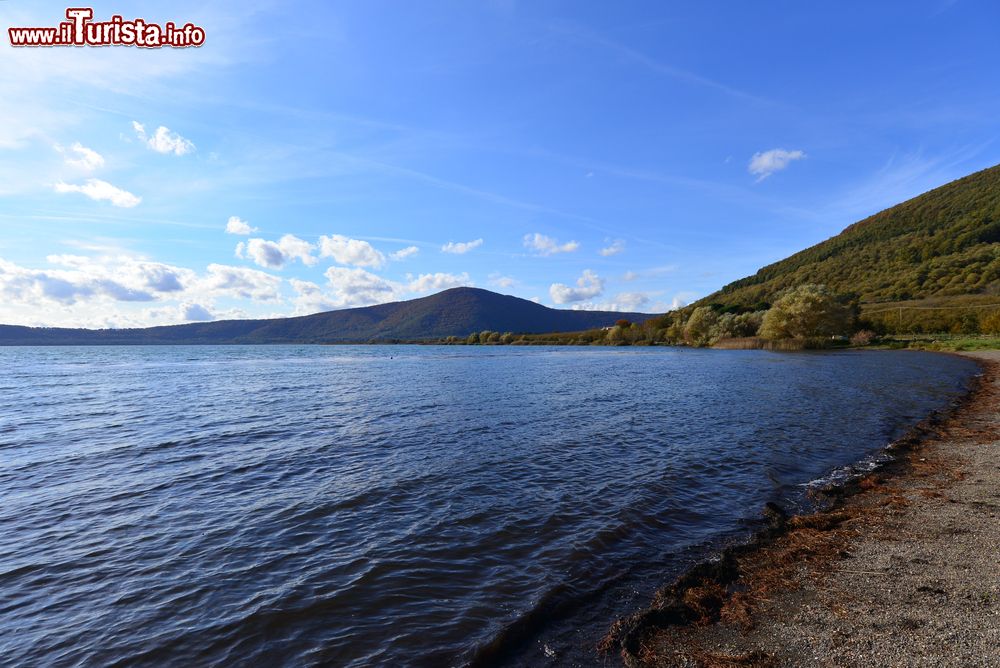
(458, 312)
(942, 244)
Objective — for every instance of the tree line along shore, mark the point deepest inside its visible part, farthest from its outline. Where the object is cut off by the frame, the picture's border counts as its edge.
(809, 316)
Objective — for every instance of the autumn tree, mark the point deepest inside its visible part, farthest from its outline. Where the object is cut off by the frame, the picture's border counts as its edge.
(804, 311)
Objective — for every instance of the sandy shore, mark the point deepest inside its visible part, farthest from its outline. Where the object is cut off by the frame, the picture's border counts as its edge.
(904, 572)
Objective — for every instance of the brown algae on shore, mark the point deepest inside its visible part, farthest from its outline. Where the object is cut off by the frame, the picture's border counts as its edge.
(849, 585)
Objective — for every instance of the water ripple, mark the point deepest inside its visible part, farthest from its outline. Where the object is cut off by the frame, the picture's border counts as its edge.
(439, 506)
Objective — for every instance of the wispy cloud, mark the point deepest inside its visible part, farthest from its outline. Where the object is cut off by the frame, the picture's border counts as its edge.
(765, 163)
(632, 55)
(617, 246)
(462, 247)
(85, 159)
(99, 191)
(404, 253)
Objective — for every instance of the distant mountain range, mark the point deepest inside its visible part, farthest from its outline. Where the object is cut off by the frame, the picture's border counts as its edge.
(454, 312)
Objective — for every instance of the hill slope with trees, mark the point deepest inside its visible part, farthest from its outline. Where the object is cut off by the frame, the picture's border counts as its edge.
(943, 243)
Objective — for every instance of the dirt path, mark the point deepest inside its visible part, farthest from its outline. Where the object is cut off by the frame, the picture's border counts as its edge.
(904, 573)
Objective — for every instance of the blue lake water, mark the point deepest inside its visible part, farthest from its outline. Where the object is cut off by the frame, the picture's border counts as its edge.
(356, 506)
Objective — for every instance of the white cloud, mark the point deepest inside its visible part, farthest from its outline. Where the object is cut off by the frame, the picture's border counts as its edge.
(78, 278)
(237, 226)
(404, 253)
(163, 140)
(762, 165)
(499, 280)
(87, 160)
(623, 301)
(109, 290)
(462, 247)
(195, 313)
(240, 282)
(99, 190)
(617, 246)
(310, 298)
(350, 251)
(275, 255)
(588, 286)
(682, 299)
(437, 282)
(544, 245)
(357, 287)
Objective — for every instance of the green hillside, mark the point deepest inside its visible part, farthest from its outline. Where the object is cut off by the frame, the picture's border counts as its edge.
(944, 243)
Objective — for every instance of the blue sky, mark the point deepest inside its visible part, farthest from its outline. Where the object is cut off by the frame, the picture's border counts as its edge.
(628, 156)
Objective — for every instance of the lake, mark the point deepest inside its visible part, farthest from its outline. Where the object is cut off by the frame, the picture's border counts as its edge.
(400, 505)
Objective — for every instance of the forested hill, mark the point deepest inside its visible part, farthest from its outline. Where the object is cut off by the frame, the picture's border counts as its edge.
(943, 243)
(455, 312)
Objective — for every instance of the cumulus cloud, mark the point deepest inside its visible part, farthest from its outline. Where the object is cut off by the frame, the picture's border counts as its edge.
(237, 226)
(78, 278)
(765, 163)
(239, 282)
(437, 282)
(354, 252)
(404, 253)
(98, 190)
(617, 246)
(588, 286)
(163, 140)
(85, 159)
(195, 313)
(108, 290)
(544, 245)
(461, 247)
(275, 255)
(310, 298)
(351, 287)
(357, 287)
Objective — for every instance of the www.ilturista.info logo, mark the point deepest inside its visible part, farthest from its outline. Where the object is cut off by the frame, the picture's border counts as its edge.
(81, 30)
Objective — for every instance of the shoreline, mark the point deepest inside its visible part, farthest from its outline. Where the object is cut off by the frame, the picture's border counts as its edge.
(790, 595)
